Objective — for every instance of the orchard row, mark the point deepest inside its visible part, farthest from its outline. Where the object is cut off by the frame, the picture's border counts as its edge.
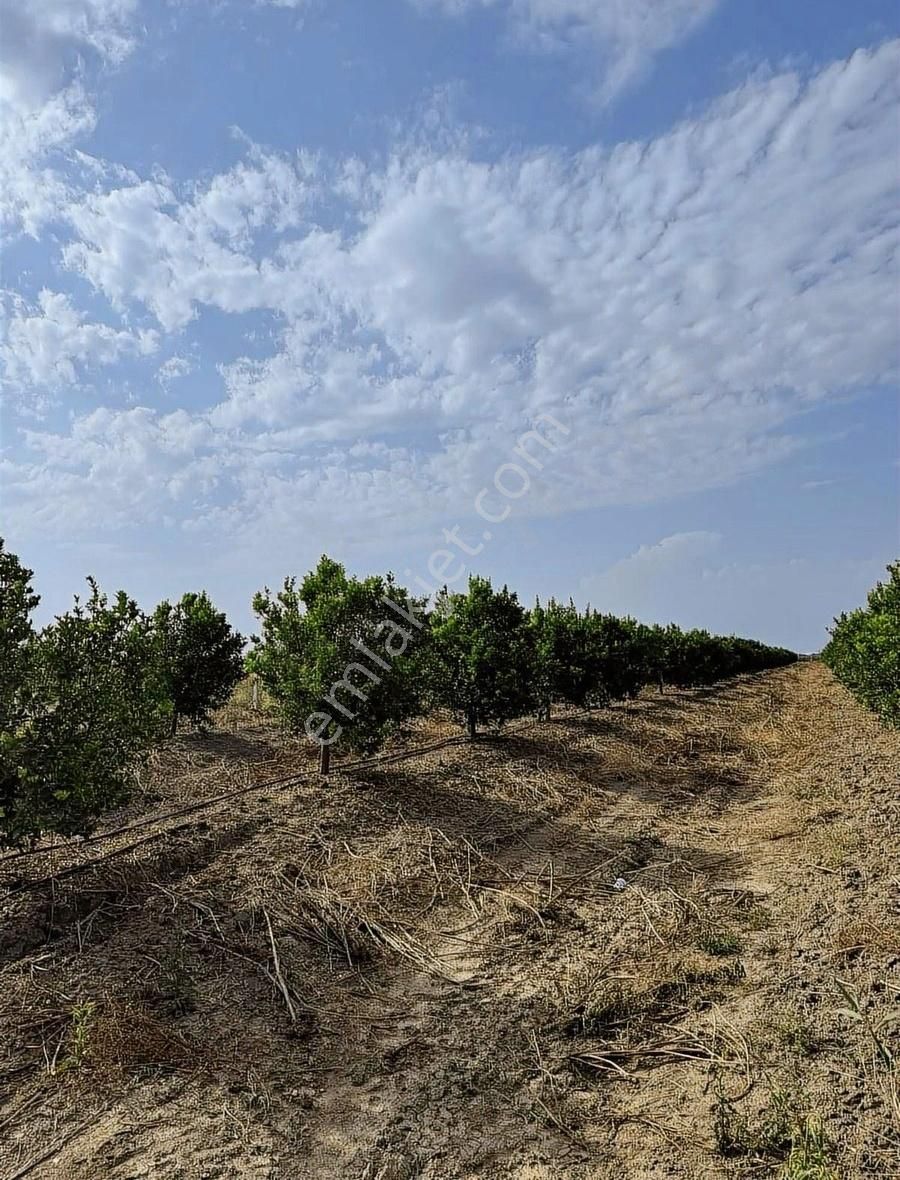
(349, 660)
(344, 660)
(864, 651)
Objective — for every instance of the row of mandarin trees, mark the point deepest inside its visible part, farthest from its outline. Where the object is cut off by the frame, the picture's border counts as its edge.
(864, 649)
(346, 661)
(84, 699)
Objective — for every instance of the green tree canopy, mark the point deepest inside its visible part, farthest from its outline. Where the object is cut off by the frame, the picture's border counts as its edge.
(340, 655)
(482, 655)
(864, 650)
(583, 658)
(199, 657)
(17, 603)
(87, 707)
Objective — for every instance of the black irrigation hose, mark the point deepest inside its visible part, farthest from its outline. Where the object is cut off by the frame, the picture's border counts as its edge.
(71, 870)
(285, 781)
(279, 783)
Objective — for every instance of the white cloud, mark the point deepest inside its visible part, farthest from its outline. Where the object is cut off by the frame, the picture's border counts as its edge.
(41, 43)
(641, 579)
(692, 264)
(625, 34)
(173, 369)
(44, 106)
(47, 346)
(120, 467)
(138, 467)
(812, 485)
(31, 188)
(677, 302)
(141, 242)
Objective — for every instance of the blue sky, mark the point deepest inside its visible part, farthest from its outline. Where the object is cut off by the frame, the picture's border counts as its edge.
(285, 278)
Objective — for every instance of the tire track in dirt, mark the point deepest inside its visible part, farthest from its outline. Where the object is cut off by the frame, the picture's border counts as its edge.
(757, 798)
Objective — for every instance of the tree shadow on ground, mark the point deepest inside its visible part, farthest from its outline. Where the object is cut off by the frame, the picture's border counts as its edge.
(531, 836)
(87, 905)
(667, 771)
(217, 743)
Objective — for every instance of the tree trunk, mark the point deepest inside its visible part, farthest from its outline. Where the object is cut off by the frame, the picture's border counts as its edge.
(174, 728)
(470, 724)
(255, 691)
(324, 759)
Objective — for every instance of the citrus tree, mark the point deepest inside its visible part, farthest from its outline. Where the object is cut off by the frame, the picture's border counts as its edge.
(582, 658)
(17, 604)
(341, 656)
(198, 655)
(864, 649)
(86, 708)
(617, 657)
(482, 661)
(671, 655)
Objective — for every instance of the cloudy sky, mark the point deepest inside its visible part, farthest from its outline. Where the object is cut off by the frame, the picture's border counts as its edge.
(289, 277)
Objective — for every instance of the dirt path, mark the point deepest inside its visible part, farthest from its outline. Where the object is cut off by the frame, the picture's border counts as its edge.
(608, 946)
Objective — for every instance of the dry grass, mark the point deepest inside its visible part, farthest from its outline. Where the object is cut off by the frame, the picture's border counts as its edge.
(601, 946)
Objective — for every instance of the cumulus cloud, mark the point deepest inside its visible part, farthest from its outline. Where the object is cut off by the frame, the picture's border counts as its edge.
(676, 302)
(32, 188)
(142, 242)
(140, 467)
(44, 106)
(120, 467)
(626, 35)
(42, 43)
(47, 346)
(174, 368)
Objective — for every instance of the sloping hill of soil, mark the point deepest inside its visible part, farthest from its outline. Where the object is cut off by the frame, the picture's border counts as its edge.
(660, 940)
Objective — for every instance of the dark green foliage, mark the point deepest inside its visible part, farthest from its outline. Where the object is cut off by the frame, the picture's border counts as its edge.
(686, 659)
(564, 667)
(717, 941)
(339, 659)
(482, 655)
(584, 659)
(618, 656)
(17, 602)
(82, 700)
(198, 655)
(653, 645)
(86, 706)
(864, 650)
(17, 638)
(589, 658)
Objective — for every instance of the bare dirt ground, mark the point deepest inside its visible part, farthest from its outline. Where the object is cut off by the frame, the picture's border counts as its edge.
(660, 940)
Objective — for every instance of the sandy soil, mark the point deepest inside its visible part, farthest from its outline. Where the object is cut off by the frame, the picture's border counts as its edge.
(661, 940)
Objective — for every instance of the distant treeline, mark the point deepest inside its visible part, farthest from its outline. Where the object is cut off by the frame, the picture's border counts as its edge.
(349, 659)
(343, 659)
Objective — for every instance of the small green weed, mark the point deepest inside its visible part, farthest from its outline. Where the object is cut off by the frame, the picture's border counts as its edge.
(797, 1035)
(874, 1027)
(720, 942)
(808, 1157)
(781, 1134)
(79, 1036)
